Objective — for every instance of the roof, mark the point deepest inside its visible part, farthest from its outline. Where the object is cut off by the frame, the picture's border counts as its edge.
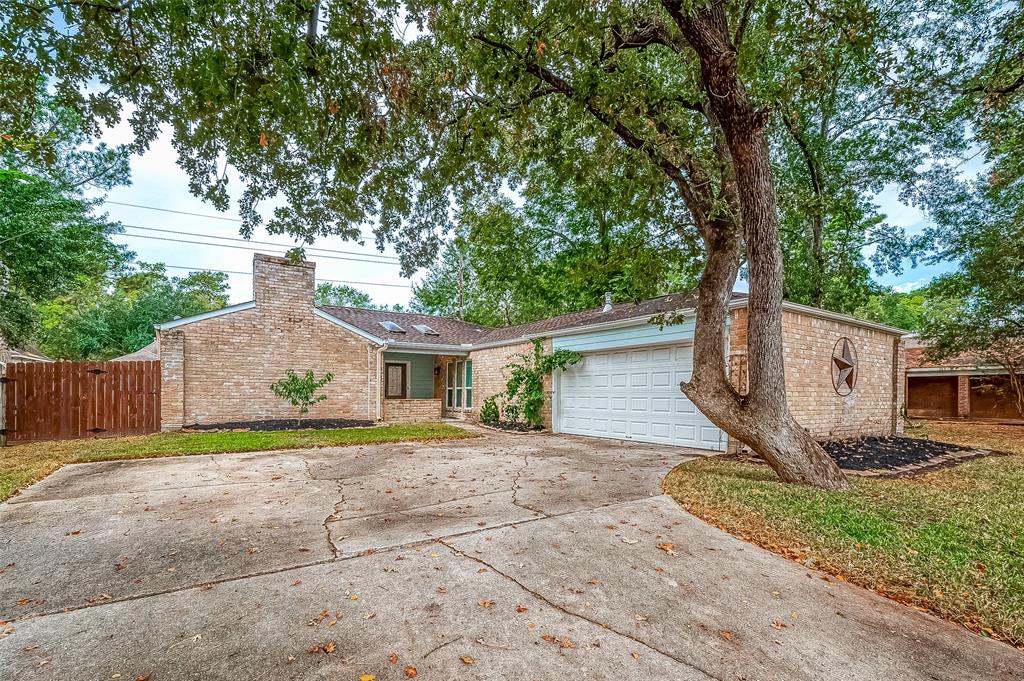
(28, 354)
(457, 332)
(449, 331)
(150, 352)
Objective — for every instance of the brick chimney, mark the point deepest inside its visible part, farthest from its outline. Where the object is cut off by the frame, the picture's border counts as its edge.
(280, 285)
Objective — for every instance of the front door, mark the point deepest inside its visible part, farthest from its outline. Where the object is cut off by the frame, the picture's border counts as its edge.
(395, 376)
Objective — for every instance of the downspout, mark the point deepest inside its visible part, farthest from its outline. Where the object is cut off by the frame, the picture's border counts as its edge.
(380, 377)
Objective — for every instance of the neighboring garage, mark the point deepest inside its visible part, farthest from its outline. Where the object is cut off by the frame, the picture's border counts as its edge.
(965, 386)
(634, 394)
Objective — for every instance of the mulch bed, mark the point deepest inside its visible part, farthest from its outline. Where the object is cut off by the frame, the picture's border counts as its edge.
(512, 427)
(892, 456)
(283, 424)
(887, 453)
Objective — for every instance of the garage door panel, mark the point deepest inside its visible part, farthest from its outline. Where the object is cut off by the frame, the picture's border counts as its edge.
(635, 394)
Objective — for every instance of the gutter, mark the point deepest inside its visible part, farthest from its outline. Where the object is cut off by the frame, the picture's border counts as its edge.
(380, 379)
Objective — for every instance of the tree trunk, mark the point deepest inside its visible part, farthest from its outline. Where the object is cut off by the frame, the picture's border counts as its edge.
(761, 418)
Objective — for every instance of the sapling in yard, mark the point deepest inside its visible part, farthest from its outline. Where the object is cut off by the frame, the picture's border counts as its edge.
(301, 392)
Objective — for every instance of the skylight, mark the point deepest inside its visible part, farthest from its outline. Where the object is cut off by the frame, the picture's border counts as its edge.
(391, 326)
(425, 330)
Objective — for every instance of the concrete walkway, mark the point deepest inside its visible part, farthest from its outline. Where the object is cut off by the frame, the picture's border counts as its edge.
(503, 557)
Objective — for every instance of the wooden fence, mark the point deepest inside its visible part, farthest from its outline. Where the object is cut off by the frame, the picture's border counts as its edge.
(65, 400)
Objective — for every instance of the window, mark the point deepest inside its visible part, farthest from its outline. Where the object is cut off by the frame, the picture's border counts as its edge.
(391, 326)
(425, 330)
(459, 386)
(396, 381)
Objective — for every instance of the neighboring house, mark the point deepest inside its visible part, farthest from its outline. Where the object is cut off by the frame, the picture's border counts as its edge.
(144, 354)
(964, 386)
(9, 355)
(844, 376)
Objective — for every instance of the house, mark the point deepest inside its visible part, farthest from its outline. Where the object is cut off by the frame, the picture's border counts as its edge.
(965, 386)
(9, 355)
(844, 376)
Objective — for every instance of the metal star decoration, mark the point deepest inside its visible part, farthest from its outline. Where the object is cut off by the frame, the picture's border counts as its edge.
(844, 367)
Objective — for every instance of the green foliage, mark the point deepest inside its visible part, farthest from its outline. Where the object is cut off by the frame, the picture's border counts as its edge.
(341, 295)
(553, 255)
(489, 410)
(100, 321)
(301, 391)
(51, 245)
(524, 394)
(900, 310)
(348, 122)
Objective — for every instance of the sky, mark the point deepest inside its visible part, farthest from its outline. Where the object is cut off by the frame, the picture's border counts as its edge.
(158, 182)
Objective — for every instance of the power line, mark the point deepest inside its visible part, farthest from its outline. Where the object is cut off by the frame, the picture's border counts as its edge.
(249, 274)
(169, 210)
(243, 248)
(264, 243)
(185, 212)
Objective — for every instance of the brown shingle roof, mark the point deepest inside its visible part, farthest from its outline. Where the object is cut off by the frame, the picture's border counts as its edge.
(449, 331)
(457, 332)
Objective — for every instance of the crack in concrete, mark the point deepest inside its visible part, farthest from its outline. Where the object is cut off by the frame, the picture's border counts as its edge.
(516, 487)
(333, 516)
(572, 613)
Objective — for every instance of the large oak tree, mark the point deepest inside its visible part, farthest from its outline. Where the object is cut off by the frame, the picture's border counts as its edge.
(388, 114)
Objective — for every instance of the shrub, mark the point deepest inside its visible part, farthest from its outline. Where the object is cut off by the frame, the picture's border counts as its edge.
(489, 410)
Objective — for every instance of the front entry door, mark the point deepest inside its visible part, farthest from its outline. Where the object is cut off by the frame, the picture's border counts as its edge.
(395, 381)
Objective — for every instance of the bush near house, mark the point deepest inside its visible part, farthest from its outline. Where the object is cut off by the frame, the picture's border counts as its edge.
(522, 403)
(949, 541)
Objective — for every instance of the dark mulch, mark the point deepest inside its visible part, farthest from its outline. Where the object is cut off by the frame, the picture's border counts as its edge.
(284, 424)
(514, 427)
(886, 453)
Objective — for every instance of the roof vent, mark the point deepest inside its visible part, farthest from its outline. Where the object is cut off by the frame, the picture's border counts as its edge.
(607, 302)
(425, 330)
(391, 326)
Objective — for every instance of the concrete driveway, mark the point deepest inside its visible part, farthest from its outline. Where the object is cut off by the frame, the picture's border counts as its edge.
(503, 557)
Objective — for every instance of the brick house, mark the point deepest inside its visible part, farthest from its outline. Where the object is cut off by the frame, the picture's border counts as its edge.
(964, 386)
(844, 376)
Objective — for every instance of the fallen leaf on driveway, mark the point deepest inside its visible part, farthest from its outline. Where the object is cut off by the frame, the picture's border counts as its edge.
(777, 624)
(393, 658)
(636, 655)
(466, 659)
(297, 582)
(668, 548)
(410, 672)
(485, 602)
(563, 642)
(726, 634)
(368, 677)
(630, 541)
(521, 608)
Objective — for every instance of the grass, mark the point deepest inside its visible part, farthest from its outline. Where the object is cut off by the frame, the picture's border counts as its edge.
(950, 541)
(21, 465)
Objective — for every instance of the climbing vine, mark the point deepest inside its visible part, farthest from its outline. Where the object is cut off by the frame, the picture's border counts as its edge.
(523, 399)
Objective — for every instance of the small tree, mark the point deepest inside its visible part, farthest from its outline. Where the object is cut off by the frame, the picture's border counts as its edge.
(301, 392)
(524, 392)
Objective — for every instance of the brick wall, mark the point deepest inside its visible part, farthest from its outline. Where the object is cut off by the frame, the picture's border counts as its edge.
(412, 411)
(963, 395)
(808, 344)
(226, 364)
(490, 375)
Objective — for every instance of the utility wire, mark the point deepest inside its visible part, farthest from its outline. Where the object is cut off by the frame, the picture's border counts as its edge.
(185, 212)
(243, 248)
(249, 274)
(264, 243)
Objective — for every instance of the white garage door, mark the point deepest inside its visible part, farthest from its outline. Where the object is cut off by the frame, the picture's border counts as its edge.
(634, 394)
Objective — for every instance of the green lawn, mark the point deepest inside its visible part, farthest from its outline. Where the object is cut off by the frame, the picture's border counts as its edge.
(951, 541)
(21, 465)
